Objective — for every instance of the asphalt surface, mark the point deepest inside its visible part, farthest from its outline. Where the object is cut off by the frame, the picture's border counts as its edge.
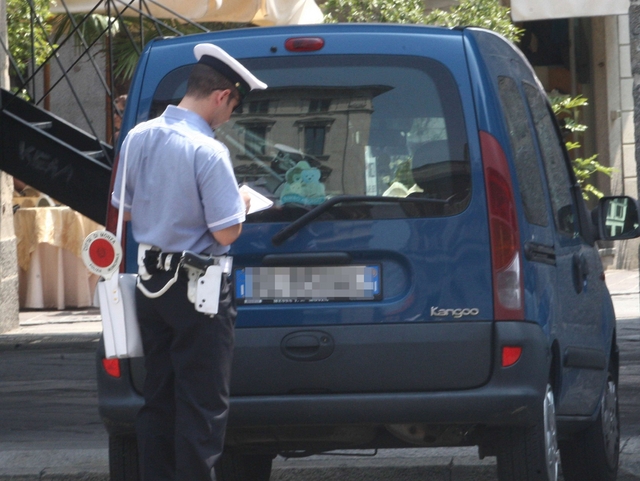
(29, 455)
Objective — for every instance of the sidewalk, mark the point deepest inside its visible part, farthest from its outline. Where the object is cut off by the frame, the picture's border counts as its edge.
(52, 323)
(440, 463)
(622, 282)
(45, 327)
(624, 287)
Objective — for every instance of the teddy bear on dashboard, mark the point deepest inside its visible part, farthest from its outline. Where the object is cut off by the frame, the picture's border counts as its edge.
(303, 185)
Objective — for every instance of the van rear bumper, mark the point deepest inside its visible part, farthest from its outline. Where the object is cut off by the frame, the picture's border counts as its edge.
(511, 396)
(487, 405)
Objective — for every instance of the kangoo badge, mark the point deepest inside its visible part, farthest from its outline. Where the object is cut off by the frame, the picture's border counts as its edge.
(102, 253)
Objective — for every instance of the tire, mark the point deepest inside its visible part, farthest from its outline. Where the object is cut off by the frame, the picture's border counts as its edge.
(531, 453)
(123, 458)
(234, 465)
(592, 454)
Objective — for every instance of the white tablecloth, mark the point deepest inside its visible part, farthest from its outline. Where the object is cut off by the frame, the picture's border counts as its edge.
(51, 272)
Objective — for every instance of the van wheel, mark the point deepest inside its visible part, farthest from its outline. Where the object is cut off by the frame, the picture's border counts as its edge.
(592, 454)
(531, 453)
(123, 458)
(235, 465)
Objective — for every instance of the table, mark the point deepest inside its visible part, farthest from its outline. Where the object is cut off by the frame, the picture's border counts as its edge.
(49, 244)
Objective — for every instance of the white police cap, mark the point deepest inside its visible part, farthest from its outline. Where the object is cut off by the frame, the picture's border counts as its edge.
(219, 60)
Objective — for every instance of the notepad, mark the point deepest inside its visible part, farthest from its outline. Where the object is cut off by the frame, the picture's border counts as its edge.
(258, 201)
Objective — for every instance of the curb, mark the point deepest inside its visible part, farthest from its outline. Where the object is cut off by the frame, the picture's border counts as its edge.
(47, 341)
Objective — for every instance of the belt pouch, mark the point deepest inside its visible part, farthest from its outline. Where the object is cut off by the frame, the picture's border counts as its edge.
(208, 290)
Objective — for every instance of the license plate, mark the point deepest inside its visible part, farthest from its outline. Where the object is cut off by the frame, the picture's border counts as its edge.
(282, 285)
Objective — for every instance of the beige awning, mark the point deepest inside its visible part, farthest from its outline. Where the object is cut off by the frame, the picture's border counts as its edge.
(523, 10)
(260, 12)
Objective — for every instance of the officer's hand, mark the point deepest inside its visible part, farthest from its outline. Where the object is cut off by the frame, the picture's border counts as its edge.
(247, 200)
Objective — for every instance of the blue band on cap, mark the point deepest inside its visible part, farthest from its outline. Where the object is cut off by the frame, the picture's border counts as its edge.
(228, 72)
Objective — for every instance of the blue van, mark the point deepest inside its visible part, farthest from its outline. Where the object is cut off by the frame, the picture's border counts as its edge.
(428, 274)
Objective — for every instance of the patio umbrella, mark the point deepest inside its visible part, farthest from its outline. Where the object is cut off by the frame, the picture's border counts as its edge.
(259, 12)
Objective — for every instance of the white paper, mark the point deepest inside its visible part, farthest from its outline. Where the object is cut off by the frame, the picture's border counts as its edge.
(258, 201)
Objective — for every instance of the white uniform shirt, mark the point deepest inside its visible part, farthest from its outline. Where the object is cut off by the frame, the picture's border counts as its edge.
(180, 184)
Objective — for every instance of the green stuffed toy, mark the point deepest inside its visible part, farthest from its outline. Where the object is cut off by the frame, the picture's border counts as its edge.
(303, 185)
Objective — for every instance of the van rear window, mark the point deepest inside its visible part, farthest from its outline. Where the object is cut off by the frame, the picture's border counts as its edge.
(389, 126)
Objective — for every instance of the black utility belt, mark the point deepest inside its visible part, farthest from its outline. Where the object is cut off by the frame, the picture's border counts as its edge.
(203, 272)
(156, 261)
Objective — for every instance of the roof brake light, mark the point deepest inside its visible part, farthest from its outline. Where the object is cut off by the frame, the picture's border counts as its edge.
(304, 44)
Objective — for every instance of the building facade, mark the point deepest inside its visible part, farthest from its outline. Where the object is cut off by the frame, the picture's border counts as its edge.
(590, 56)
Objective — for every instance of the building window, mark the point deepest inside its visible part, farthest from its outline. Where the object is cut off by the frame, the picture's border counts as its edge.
(255, 139)
(319, 105)
(259, 107)
(314, 140)
(313, 135)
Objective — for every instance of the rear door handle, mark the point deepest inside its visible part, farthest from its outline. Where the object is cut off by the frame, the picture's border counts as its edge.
(307, 345)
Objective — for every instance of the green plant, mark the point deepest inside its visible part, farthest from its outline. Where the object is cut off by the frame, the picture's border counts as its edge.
(480, 13)
(566, 109)
(28, 40)
(374, 11)
(488, 14)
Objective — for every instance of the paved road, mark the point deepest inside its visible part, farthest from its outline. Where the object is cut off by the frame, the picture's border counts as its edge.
(50, 428)
(48, 397)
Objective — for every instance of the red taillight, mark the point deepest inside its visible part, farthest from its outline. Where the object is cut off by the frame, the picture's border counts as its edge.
(111, 367)
(510, 355)
(304, 44)
(503, 228)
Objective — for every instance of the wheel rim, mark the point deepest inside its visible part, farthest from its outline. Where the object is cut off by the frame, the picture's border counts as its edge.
(610, 422)
(551, 436)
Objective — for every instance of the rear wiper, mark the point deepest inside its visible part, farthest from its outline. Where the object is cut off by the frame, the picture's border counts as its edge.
(317, 211)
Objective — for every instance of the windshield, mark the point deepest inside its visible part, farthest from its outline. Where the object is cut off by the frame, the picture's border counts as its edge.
(329, 126)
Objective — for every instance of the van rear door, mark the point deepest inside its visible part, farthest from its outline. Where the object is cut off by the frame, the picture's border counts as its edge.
(382, 281)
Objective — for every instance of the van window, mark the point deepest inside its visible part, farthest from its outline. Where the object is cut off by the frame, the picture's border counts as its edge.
(524, 154)
(553, 157)
(346, 125)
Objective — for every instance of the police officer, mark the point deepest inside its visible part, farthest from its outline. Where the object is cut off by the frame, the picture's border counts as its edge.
(181, 195)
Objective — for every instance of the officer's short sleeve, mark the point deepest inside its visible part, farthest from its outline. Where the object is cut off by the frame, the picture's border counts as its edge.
(221, 199)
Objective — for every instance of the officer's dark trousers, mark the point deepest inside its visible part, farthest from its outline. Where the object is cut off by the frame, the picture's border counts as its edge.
(181, 427)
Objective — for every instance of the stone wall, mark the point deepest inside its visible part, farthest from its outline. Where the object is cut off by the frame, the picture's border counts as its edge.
(8, 257)
(88, 96)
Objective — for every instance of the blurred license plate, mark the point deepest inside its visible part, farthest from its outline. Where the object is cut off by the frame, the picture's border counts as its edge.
(255, 285)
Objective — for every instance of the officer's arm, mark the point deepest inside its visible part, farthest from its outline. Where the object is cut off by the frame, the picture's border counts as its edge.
(228, 235)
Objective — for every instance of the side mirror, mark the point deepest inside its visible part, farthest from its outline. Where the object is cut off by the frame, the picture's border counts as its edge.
(616, 218)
